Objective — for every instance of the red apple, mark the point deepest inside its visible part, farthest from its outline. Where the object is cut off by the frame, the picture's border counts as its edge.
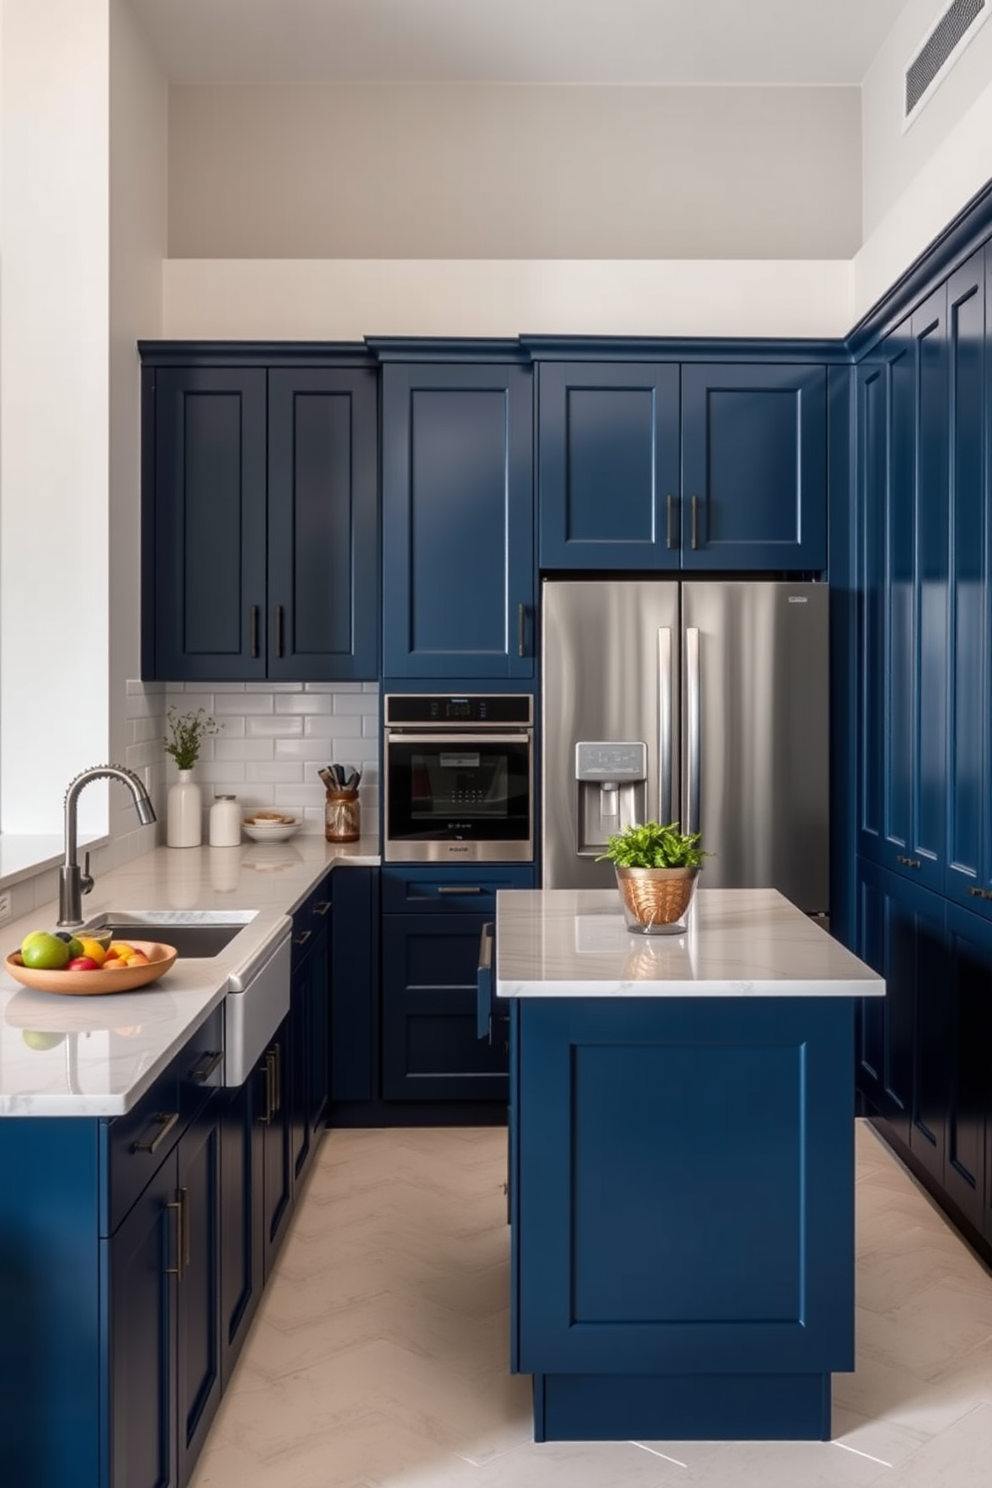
(82, 963)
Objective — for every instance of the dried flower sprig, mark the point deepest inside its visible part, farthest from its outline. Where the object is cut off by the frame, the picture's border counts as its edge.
(186, 733)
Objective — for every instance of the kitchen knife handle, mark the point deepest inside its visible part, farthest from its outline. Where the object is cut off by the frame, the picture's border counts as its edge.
(695, 521)
(253, 625)
(278, 630)
(665, 724)
(691, 824)
(669, 522)
(521, 630)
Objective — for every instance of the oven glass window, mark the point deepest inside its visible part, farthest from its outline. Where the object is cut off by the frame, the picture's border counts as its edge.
(442, 791)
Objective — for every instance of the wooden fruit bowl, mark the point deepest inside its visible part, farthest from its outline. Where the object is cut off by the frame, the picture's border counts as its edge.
(96, 983)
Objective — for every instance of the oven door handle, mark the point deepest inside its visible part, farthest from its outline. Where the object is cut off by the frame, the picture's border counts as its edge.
(484, 983)
(396, 736)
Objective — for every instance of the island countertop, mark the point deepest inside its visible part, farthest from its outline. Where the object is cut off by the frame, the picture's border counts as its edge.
(107, 1050)
(739, 943)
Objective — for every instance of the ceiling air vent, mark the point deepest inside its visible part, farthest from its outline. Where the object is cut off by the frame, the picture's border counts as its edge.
(957, 26)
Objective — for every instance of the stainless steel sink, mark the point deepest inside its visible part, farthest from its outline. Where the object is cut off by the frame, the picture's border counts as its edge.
(194, 933)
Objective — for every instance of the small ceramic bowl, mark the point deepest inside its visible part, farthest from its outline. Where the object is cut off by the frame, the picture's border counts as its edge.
(270, 828)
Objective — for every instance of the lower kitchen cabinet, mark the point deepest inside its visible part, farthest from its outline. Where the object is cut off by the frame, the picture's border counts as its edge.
(924, 1061)
(310, 1020)
(164, 1269)
(432, 920)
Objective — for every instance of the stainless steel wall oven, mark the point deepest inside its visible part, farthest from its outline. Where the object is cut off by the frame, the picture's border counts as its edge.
(458, 778)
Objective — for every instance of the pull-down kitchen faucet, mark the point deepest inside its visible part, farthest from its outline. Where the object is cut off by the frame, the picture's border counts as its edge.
(73, 881)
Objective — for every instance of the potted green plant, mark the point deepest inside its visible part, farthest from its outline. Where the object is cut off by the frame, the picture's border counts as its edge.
(656, 867)
(184, 814)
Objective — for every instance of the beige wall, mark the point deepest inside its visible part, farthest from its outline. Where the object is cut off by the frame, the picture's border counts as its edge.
(458, 172)
(53, 406)
(894, 159)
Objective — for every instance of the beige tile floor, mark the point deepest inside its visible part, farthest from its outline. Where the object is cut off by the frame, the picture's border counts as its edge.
(378, 1357)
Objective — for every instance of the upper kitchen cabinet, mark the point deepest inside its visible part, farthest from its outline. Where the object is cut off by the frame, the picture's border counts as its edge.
(458, 514)
(706, 466)
(260, 517)
(924, 571)
(608, 465)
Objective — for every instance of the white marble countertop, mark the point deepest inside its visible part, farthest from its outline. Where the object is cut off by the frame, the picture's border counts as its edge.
(107, 1050)
(738, 943)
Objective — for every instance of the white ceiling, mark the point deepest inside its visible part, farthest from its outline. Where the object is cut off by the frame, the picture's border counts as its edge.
(801, 42)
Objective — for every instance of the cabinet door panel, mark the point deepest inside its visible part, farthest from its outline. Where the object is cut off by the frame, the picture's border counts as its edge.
(899, 681)
(274, 1072)
(241, 1222)
(430, 1048)
(754, 463)
(930, 336)
(608, 463)
(208, 577)
(968, 778)
(872, 434)
(143, 1332)
(198, 1293)
(323, 529)
(966, 997)
(457, 519)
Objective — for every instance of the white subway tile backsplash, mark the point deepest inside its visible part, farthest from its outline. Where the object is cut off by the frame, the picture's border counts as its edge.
(355, 702)
(298, 749)
(303, 702)
(243, 749)
(279, 725)
(332, 687)
(245, 703)
(274, 772)
(334, 726)
(274, 687)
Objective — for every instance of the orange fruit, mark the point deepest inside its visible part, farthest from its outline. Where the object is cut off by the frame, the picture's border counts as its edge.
(92, 948)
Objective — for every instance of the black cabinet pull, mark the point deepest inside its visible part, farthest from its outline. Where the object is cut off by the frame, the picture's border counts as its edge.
(279, 646)
(202, 1071)
(695, 521)
(302, 938)
(521, 630)
(669, 523)
(322, 908)
(176, 1205)
(908, 862)
(460, 889)
(253, 616)
(277, 1077)
(165, 1121)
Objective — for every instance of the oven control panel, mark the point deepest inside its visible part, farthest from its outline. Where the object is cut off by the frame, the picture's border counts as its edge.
(467, 709)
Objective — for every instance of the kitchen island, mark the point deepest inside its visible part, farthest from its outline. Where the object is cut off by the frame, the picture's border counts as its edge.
(681, 1165)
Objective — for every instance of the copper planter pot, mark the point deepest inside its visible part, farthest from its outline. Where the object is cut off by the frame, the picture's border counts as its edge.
(656, 900)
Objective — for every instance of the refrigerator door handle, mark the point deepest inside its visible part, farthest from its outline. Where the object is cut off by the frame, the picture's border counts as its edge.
(692, 723)
(664, 725)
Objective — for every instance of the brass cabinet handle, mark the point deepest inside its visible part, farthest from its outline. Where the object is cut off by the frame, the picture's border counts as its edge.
(521, 630)
(202, 1071)
(181, 1207)
(253, 615)
(460, 889)
(908, 862)
(277, 1077)
(164, 1121)
(669, 524)
(268, 1072)
(322, 908)
(695, 521)
(278, 630)
(302, 938)
(980, 893)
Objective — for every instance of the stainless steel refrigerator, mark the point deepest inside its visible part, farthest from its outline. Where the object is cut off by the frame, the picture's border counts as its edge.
(701, 702)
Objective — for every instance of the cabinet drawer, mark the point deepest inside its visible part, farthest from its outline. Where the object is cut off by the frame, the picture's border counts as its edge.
(449, 890)
(137, 1143)
(312, 916)
(200, 1066)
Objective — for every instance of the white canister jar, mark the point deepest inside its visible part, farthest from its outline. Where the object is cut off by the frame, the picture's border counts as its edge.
(225, 822)
(184, 816)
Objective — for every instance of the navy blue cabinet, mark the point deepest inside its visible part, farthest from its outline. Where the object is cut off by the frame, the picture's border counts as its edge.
(681, 1276)
(458, 512)
(707, 466)
(431, 927)
(260, 512)
(925, 1050)
(242, 1275)
(310, 1014)
(609, 475)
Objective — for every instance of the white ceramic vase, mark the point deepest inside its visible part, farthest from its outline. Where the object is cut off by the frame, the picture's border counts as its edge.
(184, 814)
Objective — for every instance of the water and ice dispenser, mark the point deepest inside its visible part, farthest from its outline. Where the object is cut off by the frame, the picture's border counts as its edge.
(611, 778)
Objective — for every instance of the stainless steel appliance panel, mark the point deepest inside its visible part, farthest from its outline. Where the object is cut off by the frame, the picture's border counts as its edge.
(611, 669)
(757, 785)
